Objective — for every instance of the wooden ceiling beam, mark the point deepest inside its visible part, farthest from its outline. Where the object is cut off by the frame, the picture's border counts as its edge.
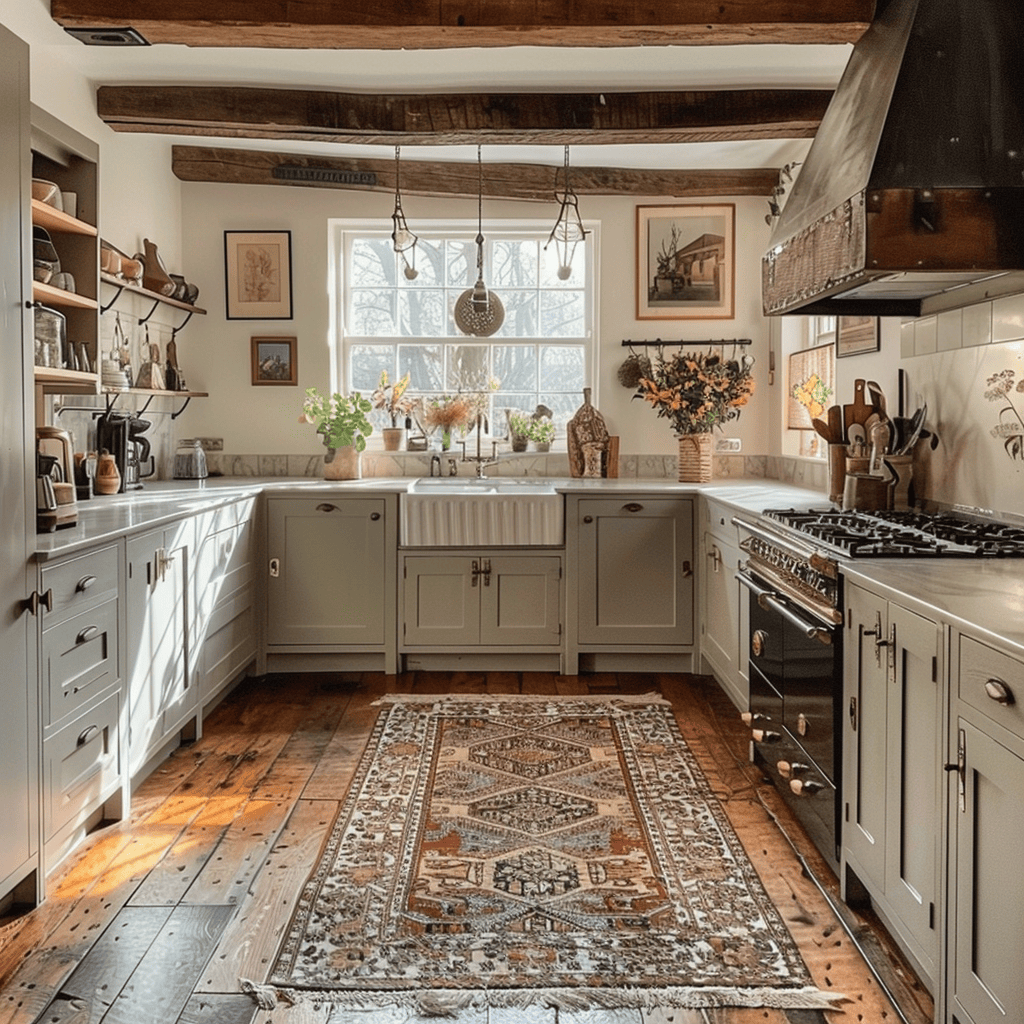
(535, 182)
(439, 24)
(460, 119)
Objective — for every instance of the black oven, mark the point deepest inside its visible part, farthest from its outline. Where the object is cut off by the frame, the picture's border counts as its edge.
(795, 671)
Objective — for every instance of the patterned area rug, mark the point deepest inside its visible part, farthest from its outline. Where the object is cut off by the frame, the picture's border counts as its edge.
(504, 851)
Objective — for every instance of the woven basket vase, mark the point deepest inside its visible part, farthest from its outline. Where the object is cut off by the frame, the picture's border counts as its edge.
(694, 458)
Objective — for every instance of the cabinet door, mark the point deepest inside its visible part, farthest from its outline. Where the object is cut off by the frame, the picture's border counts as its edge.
(987, 981)
(914, 788)
(19, 721)
(442, 601)
(160, 693)
(327, 574)
(720, 641)
(520, 601)
(865, 725)
(636, 571)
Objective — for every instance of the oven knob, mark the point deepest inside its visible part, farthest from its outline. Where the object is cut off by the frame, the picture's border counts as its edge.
(750, 717)
(801, 724)
(758, 642)
(792, 769)
(805, 787)
(765, 736)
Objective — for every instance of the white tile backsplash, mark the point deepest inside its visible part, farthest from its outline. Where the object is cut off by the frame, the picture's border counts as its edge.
(977, 324)
(926, 336)
(950, 330)
(1008, 318)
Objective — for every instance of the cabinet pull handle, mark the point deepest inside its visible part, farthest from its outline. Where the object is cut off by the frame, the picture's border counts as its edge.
(588, 519)
(30, 604)
(47, 600)
(84, 584)
(687, 569)
(475, 573)
(275, 567)
(853, 713)
(326, 506)
(86, 634)
(374, 516)
(487, 572)
(87, 735)
(633, 506)
(998, 691)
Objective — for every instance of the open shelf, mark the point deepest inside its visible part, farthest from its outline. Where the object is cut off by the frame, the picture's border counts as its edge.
(52, 219)
(51, 296)
(156, 392)
(55, 380)
(135, 289)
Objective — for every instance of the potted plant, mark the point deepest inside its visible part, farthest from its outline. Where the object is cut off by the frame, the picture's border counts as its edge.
(697, 393)
(447, 413)
(519, 424)
(396, 403)
(341, 421)
(541, 431)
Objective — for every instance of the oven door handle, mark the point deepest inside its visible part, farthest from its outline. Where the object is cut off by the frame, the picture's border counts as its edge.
(770, 601)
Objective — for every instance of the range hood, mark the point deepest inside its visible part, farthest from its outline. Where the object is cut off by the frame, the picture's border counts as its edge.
(911, 199)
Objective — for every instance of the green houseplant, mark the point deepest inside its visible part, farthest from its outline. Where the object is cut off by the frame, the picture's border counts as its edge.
(541, 431)
(342, 422)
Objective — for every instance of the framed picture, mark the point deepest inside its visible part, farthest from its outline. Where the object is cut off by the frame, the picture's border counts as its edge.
(258, 275)
(685, 262)
(811, 384)
(275, 360)
(856, 334)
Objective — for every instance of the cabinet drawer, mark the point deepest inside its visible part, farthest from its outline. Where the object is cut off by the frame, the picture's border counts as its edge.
(81, 765)
(80, 582)
(986, 677)
(79, 660)
(718, 521)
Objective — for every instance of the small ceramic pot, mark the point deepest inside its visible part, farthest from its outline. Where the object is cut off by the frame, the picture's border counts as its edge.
(342, 463)
(108, 477)
(394, 438)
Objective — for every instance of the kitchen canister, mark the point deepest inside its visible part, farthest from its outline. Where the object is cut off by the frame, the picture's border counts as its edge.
(190, 460)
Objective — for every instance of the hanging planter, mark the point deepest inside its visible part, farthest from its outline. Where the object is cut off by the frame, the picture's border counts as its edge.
(479, 312)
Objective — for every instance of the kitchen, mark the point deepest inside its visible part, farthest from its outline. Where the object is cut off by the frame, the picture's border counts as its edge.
(947, 359)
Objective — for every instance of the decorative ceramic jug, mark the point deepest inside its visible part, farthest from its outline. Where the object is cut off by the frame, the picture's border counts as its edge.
(108, 477)
(586, 426)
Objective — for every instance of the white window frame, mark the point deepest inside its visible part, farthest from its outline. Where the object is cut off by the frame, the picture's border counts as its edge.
(341, 230)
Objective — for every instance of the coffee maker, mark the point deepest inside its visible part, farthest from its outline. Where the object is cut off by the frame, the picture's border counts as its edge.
(56, 498)
(121, 435)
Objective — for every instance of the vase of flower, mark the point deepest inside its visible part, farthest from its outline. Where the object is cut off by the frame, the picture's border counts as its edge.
(344, 463)
(695, 464)
(392, 399)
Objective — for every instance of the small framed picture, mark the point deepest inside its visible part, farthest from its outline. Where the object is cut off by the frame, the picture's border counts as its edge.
(275, 360)
(856, 334)
(258, 275)
(685, 262)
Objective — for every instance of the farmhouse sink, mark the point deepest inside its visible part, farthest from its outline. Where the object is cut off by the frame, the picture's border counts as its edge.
(457, 512)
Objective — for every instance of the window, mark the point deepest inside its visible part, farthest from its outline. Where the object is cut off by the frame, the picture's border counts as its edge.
(541, 354)
(811, 379)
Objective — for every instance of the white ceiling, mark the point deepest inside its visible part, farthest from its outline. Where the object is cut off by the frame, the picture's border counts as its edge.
(510, 69)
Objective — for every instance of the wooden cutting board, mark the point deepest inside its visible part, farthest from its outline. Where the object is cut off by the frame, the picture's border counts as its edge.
(859, 410)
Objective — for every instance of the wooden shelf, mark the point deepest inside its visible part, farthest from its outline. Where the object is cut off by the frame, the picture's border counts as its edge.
(156, 391)
(51, 296)
(52, 219)
(120, 282)
(71, 381)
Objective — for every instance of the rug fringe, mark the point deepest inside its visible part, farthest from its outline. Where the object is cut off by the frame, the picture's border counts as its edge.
(654, 699)
(448, 1003)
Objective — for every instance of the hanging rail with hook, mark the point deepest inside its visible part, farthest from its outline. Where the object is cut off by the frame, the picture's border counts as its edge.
(659, 343)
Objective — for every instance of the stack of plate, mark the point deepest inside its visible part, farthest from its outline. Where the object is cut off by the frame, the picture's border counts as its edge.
(113, 377)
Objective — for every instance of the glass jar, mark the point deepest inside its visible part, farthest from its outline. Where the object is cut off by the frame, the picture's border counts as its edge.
(190, 460)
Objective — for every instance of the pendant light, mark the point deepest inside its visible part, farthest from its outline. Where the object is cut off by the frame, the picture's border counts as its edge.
(478, 311)
(568, 231)
(402, 239)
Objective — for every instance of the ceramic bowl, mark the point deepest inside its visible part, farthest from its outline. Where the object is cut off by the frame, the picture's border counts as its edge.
(46, 192)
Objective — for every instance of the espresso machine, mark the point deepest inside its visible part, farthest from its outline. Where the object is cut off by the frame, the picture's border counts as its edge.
(56, 497)
(121, 434)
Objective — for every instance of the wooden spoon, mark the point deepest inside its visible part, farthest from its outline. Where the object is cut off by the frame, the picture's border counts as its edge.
(823, 430)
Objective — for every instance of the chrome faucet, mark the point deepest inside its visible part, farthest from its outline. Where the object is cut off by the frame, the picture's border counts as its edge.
(435, 462)
(482, 461)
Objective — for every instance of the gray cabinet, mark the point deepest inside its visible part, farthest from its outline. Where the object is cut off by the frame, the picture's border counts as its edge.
(331, 575)
(986, 816)
(724, 610)
(162, 696)
(478, 600)
(19, 723)
(634, 585)
(222, 626)
(892, 768)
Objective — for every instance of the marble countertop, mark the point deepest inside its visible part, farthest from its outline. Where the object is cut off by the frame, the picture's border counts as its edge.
(984, 597)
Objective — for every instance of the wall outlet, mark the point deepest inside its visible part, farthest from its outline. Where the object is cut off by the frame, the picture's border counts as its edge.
(727, 445)
(211, 444)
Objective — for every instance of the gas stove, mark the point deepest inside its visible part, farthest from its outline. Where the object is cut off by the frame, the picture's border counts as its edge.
(907, 534)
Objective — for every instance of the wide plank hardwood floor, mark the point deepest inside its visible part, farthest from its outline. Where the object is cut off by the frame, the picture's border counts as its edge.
(155, 918)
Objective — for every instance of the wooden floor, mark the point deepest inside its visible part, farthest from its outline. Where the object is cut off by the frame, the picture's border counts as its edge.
(154, 919)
